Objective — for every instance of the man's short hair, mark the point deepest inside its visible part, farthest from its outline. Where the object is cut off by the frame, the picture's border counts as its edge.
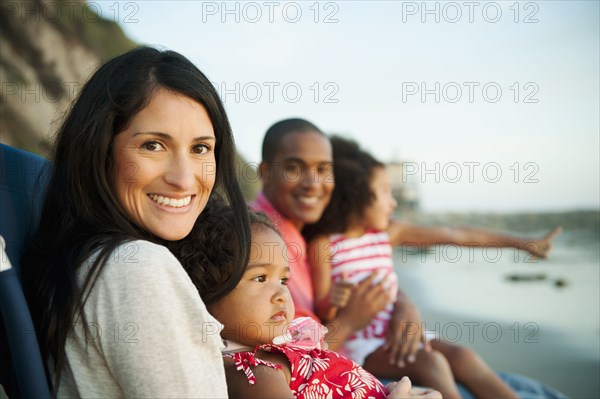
(276, 133)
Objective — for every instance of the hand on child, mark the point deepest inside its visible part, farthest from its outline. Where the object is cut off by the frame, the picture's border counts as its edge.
(403, 390)
(405, 335)
(366, 301)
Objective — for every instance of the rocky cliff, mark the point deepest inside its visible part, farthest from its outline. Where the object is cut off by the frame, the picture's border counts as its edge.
(47, 50)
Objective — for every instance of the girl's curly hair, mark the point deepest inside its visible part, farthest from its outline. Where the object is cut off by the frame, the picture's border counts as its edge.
(207, 253)
(353, 170)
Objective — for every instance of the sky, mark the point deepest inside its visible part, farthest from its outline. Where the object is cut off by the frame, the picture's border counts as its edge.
(493, 105)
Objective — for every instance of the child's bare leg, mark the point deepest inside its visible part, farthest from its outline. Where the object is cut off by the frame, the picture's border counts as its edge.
(430, 369)
(471, 371)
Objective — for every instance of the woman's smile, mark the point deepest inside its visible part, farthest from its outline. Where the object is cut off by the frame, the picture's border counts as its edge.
(171, 201)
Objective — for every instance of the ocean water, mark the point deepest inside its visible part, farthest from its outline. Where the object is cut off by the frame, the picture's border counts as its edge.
(535, 317)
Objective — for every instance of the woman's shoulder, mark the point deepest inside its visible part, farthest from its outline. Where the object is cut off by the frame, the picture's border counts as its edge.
(144, 274)
(142, 252)
(140, 260)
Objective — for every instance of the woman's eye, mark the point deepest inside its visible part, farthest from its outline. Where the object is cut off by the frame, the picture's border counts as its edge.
(260, 279)
(152, 146)
(285, 280)
(200, 149)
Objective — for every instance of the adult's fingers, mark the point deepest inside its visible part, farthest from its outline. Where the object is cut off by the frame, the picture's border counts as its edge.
(365, 302)
(404, 342)
(410, 343)
(373, 297)
(426, 343)
(366, 283)
(377, 291)
(415, 339)
(399, 389)
(396, 347)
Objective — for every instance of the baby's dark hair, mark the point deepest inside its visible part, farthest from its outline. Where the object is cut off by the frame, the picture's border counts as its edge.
(353, 170)
(207, 253)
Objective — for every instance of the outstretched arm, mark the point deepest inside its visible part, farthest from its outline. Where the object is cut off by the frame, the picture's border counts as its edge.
(407, 233)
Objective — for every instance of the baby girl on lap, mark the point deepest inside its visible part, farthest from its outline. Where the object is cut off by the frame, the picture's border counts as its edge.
(267, 354)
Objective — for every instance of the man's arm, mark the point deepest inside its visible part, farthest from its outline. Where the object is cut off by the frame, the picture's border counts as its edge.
(407, 233)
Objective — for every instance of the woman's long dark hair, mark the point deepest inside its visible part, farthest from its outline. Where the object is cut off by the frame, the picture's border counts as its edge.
(81, 213)
(353, 171)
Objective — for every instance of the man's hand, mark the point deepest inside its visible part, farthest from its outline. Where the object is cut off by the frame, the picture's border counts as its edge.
(405, 333)
(364, 303)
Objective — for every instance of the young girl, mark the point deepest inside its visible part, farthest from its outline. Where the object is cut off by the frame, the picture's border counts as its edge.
(266, 355)
(349, 243)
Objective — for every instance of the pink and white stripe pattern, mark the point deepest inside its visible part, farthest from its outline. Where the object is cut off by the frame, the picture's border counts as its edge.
(358, 258)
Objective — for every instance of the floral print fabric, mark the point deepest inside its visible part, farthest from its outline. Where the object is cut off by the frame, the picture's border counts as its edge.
(316, 373)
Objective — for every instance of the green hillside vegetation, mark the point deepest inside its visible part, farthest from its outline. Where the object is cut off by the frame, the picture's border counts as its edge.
(103, 37)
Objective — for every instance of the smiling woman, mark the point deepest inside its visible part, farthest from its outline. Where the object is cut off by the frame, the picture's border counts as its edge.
(135, 164)
(169, 145)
